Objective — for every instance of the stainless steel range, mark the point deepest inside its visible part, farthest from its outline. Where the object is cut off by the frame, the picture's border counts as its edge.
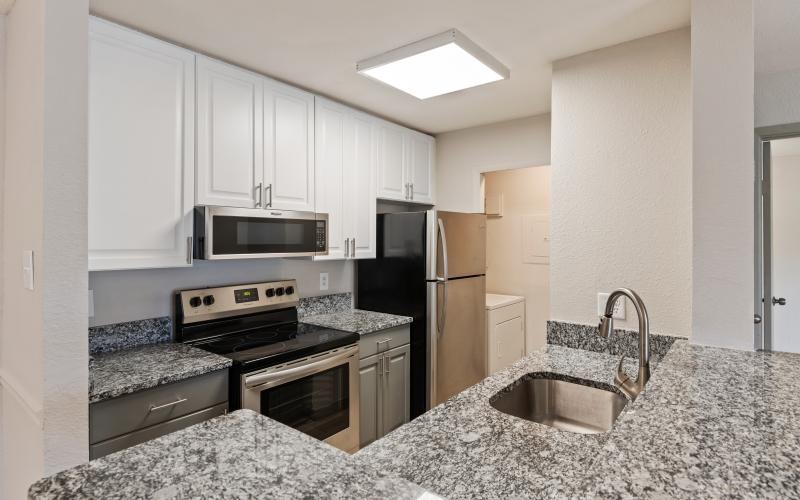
(301, 375)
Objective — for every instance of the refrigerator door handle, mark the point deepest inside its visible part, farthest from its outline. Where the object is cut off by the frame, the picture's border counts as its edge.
(442, 316)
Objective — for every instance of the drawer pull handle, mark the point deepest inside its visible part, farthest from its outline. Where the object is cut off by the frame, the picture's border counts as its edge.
(167, 405)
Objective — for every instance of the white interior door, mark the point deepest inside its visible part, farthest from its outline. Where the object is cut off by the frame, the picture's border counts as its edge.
(785, 245)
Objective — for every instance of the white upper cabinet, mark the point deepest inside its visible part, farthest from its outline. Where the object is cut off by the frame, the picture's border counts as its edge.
(329, 172)
(360, 185)
(230, 166)
(288, 147)
(141, 150)
(345, 179)
(392, 180)
(405, 164)
(420, 154)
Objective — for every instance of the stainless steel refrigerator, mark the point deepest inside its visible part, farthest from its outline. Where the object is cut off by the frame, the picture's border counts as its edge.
(431, 266)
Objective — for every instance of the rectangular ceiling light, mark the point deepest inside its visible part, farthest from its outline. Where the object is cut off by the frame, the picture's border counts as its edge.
(437, 65)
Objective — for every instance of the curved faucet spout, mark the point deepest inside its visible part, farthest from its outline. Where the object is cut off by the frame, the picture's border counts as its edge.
(606, 327)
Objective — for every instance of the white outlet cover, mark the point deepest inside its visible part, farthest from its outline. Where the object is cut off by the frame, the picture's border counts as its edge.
(323, 281)
(619, 306)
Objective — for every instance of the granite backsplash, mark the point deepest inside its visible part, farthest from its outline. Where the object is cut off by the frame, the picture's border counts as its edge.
(621, 342)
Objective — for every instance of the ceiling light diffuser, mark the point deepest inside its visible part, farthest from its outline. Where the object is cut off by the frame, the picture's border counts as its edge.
(437, 65)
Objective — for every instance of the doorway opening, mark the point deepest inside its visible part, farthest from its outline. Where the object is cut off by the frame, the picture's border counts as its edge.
(517, 207)
(777, 197)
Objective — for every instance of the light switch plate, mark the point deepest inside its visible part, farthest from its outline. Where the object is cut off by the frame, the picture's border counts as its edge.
(323, 281)
(27, 269)
(619, 306)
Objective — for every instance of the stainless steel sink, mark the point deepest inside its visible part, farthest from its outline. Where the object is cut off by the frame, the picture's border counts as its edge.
(566, 405)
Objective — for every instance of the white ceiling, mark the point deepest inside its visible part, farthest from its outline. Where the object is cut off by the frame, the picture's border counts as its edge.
(785, 147)
(777, 35)
(316, 44)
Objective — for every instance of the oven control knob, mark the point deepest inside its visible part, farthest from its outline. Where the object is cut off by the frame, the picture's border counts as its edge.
(270, 292)
(279, 291)
(289, 290)
(195, 302)
(208, 300)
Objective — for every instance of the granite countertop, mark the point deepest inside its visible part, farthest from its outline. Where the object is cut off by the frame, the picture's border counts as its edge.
(238, 455)
(116, 373)
(358, 321)
(712, 423)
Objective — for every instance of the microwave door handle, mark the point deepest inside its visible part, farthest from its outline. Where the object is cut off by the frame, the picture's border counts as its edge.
(442, 316)
(309, 369)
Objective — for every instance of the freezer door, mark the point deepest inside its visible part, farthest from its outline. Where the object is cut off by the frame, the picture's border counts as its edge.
(464, 237)
(457, 336)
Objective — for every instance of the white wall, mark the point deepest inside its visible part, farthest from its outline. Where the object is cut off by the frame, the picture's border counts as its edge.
(131, 295)
(462, 155)
(44, 359)
(777, 97)
(621, 181)
(525, 191)
(723, 173)
(777, 62)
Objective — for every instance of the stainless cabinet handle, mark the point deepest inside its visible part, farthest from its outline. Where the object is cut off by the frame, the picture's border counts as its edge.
(259, 190)
(167, 405)
(353, 248)
(269, 188)
(189, 250)
(387, 363)
(380, 366)
(406, 192)
(411, 191)
(346, 248)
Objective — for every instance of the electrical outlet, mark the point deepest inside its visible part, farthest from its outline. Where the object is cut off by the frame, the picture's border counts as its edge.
(619, 306)
(323, 281)
(27, 269)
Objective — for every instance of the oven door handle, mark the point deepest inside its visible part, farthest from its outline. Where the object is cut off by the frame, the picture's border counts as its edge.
(334, 359)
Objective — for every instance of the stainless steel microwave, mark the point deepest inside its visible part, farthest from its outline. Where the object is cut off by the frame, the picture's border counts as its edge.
(254, 233)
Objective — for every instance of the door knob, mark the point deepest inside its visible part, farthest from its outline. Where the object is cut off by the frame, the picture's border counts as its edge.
(779, 301)
(757, 318)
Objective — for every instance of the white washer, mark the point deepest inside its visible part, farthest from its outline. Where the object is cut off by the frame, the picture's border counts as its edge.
(505, 324)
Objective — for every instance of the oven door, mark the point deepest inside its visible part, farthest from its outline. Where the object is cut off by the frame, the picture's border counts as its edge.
(240, 233)
(317, 395)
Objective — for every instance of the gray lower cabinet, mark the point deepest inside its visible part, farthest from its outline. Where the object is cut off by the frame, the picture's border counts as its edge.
(384, 387)
(124, 421)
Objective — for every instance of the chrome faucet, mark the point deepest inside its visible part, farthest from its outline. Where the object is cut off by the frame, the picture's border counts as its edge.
(630, 387)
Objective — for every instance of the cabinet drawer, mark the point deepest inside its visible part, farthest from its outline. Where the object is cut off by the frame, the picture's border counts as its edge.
(117, 416)
(133, 438)
(383, 340)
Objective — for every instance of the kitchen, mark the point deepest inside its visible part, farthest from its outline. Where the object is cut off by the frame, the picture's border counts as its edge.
(286, 257)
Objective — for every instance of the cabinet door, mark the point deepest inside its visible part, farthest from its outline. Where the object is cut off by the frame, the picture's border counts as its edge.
(369, 420)
(229, 136)
(329, 171)
(420, 167)
(141, 150)
(288, 147)
(359, 187)
(509, 343)
(391, 171)
(396, 387)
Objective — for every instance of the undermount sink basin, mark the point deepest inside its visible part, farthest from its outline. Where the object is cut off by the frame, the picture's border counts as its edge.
(569, 405)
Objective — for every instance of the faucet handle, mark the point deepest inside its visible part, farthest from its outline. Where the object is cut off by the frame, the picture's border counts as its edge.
(622, 377)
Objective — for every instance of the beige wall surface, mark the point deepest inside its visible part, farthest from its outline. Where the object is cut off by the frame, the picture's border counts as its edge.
(621, 181)
(44, 355)
(722, 174)
(462, 155)
(525, 191)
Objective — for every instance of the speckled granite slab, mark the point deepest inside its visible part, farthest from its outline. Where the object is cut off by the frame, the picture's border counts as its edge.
(108, 338)
(122, 372)
(358, 321)
(325, 304)
(239, 455)
(713, 423)
(621, 342)
(465, 448)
